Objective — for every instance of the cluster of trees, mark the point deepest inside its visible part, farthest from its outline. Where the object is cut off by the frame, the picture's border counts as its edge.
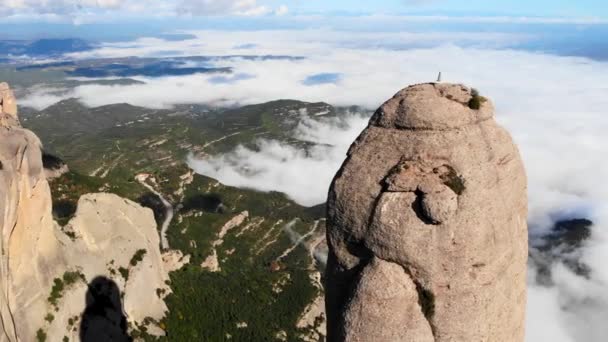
(241, 301)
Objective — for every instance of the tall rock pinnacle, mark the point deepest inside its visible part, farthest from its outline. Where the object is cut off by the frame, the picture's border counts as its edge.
(8, 106)
(427, 225)
(37, 256)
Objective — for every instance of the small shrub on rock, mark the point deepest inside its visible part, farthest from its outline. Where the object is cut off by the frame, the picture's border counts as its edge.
(476, 100)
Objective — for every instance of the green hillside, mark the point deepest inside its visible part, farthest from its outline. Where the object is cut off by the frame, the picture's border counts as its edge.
(264, 282)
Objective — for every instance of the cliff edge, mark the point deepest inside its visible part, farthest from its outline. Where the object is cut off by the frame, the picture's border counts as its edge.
(52, 277)
(427, 225)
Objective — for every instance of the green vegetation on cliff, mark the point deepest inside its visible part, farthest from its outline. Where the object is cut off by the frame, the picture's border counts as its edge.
(263, 282)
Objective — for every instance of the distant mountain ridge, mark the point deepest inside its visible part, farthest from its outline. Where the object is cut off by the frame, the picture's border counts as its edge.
(48, 47)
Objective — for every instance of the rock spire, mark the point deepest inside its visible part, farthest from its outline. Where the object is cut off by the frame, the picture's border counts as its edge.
(47, 271)
(427, 225)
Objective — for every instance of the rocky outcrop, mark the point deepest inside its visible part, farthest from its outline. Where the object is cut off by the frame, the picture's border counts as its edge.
(8, 104)
(175, 260)
(212, 263)
(47, 271)
(29, 247)
(427, 225)
(116, 239)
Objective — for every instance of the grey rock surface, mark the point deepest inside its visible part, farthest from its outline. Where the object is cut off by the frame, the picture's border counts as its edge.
(427, 225)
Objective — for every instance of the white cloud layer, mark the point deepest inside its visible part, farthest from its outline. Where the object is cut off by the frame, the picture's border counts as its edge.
(555, 107)
(280, 167)
(144, 7)
(63, 6)
(308, 42)
(326, 51)
(220, 7)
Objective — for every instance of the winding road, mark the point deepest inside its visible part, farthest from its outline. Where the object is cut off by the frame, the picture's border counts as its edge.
(164, 243)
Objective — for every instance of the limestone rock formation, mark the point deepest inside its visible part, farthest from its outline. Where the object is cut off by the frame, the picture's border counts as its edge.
(427, 225)
(29, 247)
(175, 260)
(106, 235)
(46, 270)
(8, 104)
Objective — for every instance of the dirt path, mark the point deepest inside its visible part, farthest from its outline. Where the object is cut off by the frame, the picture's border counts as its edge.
(296, 238)
(164, 243)
(220, 139)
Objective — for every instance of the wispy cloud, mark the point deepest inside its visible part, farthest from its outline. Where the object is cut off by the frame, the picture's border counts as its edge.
(109, 11)
(221, 7)
(65, 6)
(87, 9)
(275, 166)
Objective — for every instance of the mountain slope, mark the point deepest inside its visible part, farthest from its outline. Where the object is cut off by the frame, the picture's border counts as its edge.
(252, 272)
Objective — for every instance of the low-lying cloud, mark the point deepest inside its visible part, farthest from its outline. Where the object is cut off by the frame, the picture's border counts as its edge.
(305, 42)
(221, 7)
(335, 69)
(555, 108)
(302, 174)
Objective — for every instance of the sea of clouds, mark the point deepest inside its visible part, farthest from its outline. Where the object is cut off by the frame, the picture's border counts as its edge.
(555, 107)
(304, 175)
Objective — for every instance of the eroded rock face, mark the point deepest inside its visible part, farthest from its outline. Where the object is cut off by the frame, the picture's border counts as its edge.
(108, 231)
(8, 107)
(109, 238)
(8, 104)
(30, 250)
(427, 225)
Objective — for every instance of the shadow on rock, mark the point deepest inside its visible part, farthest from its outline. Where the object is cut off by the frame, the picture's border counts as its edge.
(103, 319)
